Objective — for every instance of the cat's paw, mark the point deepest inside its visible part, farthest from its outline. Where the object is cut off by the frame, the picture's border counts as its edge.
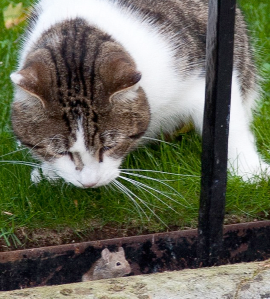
(45, 172)
(36, 176)
(251, 173)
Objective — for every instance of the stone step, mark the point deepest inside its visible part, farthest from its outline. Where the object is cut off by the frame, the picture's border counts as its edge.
(238, 281)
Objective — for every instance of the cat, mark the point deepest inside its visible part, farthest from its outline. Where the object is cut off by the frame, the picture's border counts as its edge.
(97, 77)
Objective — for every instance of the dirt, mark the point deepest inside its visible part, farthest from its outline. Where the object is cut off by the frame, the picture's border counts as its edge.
(42, 237)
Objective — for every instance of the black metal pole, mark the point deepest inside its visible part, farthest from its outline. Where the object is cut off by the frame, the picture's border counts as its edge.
(219, 65)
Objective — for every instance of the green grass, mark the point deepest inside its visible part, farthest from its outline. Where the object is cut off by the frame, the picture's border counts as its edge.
(57, 206)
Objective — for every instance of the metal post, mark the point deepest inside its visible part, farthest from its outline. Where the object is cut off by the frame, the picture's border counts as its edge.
(219, 64)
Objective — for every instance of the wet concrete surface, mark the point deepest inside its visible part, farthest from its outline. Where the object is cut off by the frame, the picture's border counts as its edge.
(147, 254)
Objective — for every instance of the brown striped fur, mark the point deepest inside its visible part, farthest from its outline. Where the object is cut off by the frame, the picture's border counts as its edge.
(74, 73)
(79, 70)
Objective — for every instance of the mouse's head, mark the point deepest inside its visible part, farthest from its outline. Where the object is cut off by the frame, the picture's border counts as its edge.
(116, 263)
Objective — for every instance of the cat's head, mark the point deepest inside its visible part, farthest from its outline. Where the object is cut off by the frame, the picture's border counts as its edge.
(80, 111)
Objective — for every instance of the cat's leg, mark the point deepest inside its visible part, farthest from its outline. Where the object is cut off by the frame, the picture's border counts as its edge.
(243, 158)
(47, 173)
(35, 176)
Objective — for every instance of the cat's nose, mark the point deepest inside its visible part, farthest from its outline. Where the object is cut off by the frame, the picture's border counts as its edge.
(89, 177)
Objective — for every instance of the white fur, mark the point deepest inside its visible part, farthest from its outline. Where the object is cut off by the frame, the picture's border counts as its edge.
(128, 94)
(242, 154)
(172, 96)
(16, 78)
(93, 174)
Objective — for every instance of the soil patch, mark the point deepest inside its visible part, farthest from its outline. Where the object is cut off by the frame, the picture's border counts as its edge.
(42, 237)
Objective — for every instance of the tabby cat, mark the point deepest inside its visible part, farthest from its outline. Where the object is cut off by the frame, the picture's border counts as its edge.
(96, 76)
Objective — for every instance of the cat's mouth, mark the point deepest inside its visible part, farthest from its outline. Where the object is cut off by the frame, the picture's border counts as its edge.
(90, 185)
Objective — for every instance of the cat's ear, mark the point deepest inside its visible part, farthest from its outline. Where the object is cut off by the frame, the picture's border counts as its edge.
(35, 79)
(118, 72)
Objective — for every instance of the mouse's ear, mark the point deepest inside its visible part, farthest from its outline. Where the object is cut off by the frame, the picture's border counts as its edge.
(121, 250)
(105, 254)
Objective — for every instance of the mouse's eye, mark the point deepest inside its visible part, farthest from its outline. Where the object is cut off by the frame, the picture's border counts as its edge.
(118, 264)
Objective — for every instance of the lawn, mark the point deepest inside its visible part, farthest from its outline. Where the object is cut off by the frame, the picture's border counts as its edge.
(166, 194)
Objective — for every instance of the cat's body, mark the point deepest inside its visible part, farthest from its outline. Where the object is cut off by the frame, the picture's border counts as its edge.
(96, 75)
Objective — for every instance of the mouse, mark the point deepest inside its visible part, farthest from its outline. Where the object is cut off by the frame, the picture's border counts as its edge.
(110, 265)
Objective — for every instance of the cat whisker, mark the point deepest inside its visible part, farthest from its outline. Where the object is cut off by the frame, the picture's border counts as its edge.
(161, 172)
(161, 182)
(159, 140)
(143, 202)
(147, 188)
(20, 163)
(127, 192)
(13, 152)
(57, 137)
(126, 171)
(81, 184)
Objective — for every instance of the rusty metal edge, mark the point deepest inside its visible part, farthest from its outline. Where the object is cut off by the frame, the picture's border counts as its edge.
(151, 253)
(11, 256)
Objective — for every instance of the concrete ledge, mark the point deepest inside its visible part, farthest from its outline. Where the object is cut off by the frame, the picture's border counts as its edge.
(239, 281)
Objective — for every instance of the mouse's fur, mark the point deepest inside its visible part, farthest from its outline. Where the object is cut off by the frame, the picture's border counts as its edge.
(110, 265)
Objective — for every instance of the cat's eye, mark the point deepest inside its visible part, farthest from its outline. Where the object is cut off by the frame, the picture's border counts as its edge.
(102, 151)
(137, 136)
(62, 153)
(118, 264)
(65, 153)
(106, 148)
